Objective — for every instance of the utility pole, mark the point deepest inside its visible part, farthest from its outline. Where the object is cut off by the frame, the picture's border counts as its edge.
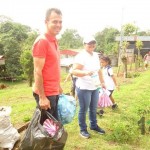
(121, 41)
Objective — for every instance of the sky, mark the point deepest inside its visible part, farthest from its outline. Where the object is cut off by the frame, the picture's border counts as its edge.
(86, 16)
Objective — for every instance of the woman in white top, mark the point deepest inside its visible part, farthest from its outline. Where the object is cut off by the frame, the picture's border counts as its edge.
(87, 69)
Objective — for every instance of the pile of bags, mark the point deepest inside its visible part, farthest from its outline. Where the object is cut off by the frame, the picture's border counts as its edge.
(8, 134)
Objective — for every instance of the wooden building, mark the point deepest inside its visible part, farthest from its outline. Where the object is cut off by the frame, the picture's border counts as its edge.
(132, 43)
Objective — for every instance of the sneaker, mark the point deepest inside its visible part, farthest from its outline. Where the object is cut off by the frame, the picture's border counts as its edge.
(114, 106)
(85, 134)
(99, 130)
(100, 113)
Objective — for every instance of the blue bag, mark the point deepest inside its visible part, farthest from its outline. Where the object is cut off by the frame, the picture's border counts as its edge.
(66, 108)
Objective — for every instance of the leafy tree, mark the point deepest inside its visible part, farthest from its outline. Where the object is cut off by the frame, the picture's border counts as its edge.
(123, 56)
(130, 29)
(12, 35)
(139, 45)
(27, 65)
(26, 58)
(70, 39)
(106, 40)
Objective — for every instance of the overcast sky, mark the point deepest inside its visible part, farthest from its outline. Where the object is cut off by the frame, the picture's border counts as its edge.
(86, 16)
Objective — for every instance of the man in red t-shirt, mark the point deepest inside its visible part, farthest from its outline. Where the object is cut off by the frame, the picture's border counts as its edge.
(47, 63)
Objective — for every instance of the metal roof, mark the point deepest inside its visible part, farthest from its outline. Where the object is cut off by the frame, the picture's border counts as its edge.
(133, 38)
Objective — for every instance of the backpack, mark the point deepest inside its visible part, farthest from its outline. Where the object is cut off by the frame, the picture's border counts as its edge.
(108, 67)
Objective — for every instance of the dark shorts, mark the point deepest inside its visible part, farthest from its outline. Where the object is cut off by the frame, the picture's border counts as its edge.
(111, 91)
(73, 87)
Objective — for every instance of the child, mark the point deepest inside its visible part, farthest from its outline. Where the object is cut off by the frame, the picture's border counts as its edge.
(109, 79)
(147, 60)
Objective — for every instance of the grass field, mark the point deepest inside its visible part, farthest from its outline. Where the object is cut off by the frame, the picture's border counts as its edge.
(121, 125)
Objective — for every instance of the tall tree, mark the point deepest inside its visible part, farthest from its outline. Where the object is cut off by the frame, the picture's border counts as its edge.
(125, 45)
(139, 45)
(12, 35)
(70, 39)
(130, 29)
(26, 59)
(106, 40)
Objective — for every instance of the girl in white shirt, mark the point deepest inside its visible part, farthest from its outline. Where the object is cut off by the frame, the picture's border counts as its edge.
(109, 79)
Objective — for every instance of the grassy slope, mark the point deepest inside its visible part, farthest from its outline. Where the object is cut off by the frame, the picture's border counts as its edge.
(121, 127)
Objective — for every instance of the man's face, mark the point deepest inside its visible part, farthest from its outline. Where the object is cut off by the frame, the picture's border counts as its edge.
(54, 24)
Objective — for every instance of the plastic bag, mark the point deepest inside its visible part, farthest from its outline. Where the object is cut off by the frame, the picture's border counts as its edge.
(8, 134)
(37, 137)
(66, 108)
(104, 100)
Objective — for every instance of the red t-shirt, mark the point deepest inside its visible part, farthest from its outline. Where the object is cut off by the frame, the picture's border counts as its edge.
(46, 46)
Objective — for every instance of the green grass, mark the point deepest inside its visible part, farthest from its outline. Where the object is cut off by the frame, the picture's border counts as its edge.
(122, 130)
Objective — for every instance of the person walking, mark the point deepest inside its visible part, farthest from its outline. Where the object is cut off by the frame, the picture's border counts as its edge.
(146, 60)
(46, 60)
(87, 68)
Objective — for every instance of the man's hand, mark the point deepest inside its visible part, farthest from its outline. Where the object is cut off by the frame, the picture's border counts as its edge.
(44, 103)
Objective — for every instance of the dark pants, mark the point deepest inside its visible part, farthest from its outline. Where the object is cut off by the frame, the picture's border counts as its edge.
(73, 87)
(111, 91)
(53, 102)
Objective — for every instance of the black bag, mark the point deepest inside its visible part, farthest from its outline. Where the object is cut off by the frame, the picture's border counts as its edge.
(37, 138)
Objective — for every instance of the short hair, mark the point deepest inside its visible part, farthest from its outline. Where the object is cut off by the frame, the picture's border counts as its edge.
(106, 59)
(50, 10)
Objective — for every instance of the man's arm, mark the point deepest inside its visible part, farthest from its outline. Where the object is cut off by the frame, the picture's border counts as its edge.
(38, 66)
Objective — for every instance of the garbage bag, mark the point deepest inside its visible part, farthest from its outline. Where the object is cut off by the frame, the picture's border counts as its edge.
(66, 108)
(8, 134)
(37, 136)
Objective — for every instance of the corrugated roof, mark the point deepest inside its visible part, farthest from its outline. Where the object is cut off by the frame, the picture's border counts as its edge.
(133, 38)
(68, 52)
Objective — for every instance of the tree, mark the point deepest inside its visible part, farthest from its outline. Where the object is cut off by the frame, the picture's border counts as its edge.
(12, 35)
(26, 61)
(125, 45)
(106, 40)
(26, 58)
(130, 29)
(139, 45)
(70, 39)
